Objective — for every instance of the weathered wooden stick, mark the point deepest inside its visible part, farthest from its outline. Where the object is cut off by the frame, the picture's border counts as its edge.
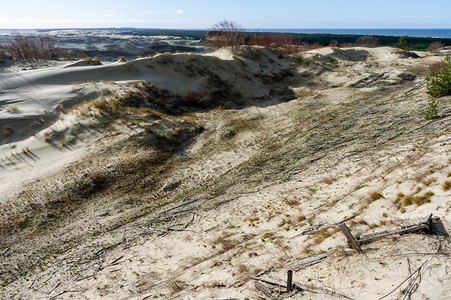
(263, 272)
(307, 262)
(352, 241)
(264, 289)
(268, 281)
(289, 281)
(403, 229)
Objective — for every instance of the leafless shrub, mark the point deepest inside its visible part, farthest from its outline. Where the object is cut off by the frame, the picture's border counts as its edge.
(27, 48)
(275, 41)
(224, 34)
(333, 43)
(193, 98)
(434, 46)
(367, 41)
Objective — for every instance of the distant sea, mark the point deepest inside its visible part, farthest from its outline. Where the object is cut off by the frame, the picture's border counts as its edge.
(434, 33)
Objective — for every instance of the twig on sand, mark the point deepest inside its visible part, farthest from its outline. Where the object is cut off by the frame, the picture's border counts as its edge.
(63, 292)
(103, 250)
(56, 286)
(399, 285)
(6, 251)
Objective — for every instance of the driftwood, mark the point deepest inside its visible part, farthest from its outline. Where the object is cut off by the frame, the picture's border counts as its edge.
(403, 229)
(264, 289)
(351, 239)
(300, 287)
(269, 281)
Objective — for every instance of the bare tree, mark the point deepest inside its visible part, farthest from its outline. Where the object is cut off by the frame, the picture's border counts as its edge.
(434, 46)
(224, 34)
(367, 41)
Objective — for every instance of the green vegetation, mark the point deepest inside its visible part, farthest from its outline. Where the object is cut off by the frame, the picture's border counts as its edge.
(431, 110)
(403, 43)
(416, 43)
(439, 83)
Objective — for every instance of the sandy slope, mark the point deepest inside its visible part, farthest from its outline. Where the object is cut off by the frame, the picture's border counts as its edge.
(167, 196)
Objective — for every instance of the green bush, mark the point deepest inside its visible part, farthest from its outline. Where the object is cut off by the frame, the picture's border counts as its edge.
(439, 83)
(403, 43)
(431, 111)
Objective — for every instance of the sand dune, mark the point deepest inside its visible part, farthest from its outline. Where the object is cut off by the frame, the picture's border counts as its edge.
(116, 188)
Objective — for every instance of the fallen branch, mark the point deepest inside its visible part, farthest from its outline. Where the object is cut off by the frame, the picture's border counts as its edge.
(306, 262)
(64, 292)
(403, 229)
(307, 287)
(269, 281)
(264, 289)
(103, 250)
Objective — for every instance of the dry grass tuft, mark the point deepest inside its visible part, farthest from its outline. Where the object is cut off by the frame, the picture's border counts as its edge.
(328, 180)
(373, 197)
(12, 110)
(291, 202)
(406, 200)
(446, 185)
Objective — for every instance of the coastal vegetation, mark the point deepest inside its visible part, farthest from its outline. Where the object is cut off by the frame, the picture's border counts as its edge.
(322, 39)
(43, 47)
(439, 82)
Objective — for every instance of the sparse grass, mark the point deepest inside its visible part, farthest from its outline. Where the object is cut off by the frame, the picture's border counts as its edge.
(300, 218)
(320, 236)
(240, 61)
(61, 109)
(446, 185)
(47, 137)
(12, 109)
(176, 287)
(291, 202)
(429, 181)
(83, 82)
(323, 234)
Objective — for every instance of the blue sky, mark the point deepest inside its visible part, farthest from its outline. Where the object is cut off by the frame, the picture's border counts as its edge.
(19, 14)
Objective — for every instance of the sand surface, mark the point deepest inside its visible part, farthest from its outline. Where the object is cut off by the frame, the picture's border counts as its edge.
(115, 188)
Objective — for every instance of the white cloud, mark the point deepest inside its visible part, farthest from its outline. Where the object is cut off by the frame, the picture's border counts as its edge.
(179, 11)
(108, 13)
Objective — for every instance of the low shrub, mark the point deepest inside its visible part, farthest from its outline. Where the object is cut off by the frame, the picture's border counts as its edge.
(27, 48)
(439, 82)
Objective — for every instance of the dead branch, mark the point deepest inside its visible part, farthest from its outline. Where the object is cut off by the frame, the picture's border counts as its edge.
(399, 285)
(264, 289)
(103, 250)
(306, 262)
(403, 229)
